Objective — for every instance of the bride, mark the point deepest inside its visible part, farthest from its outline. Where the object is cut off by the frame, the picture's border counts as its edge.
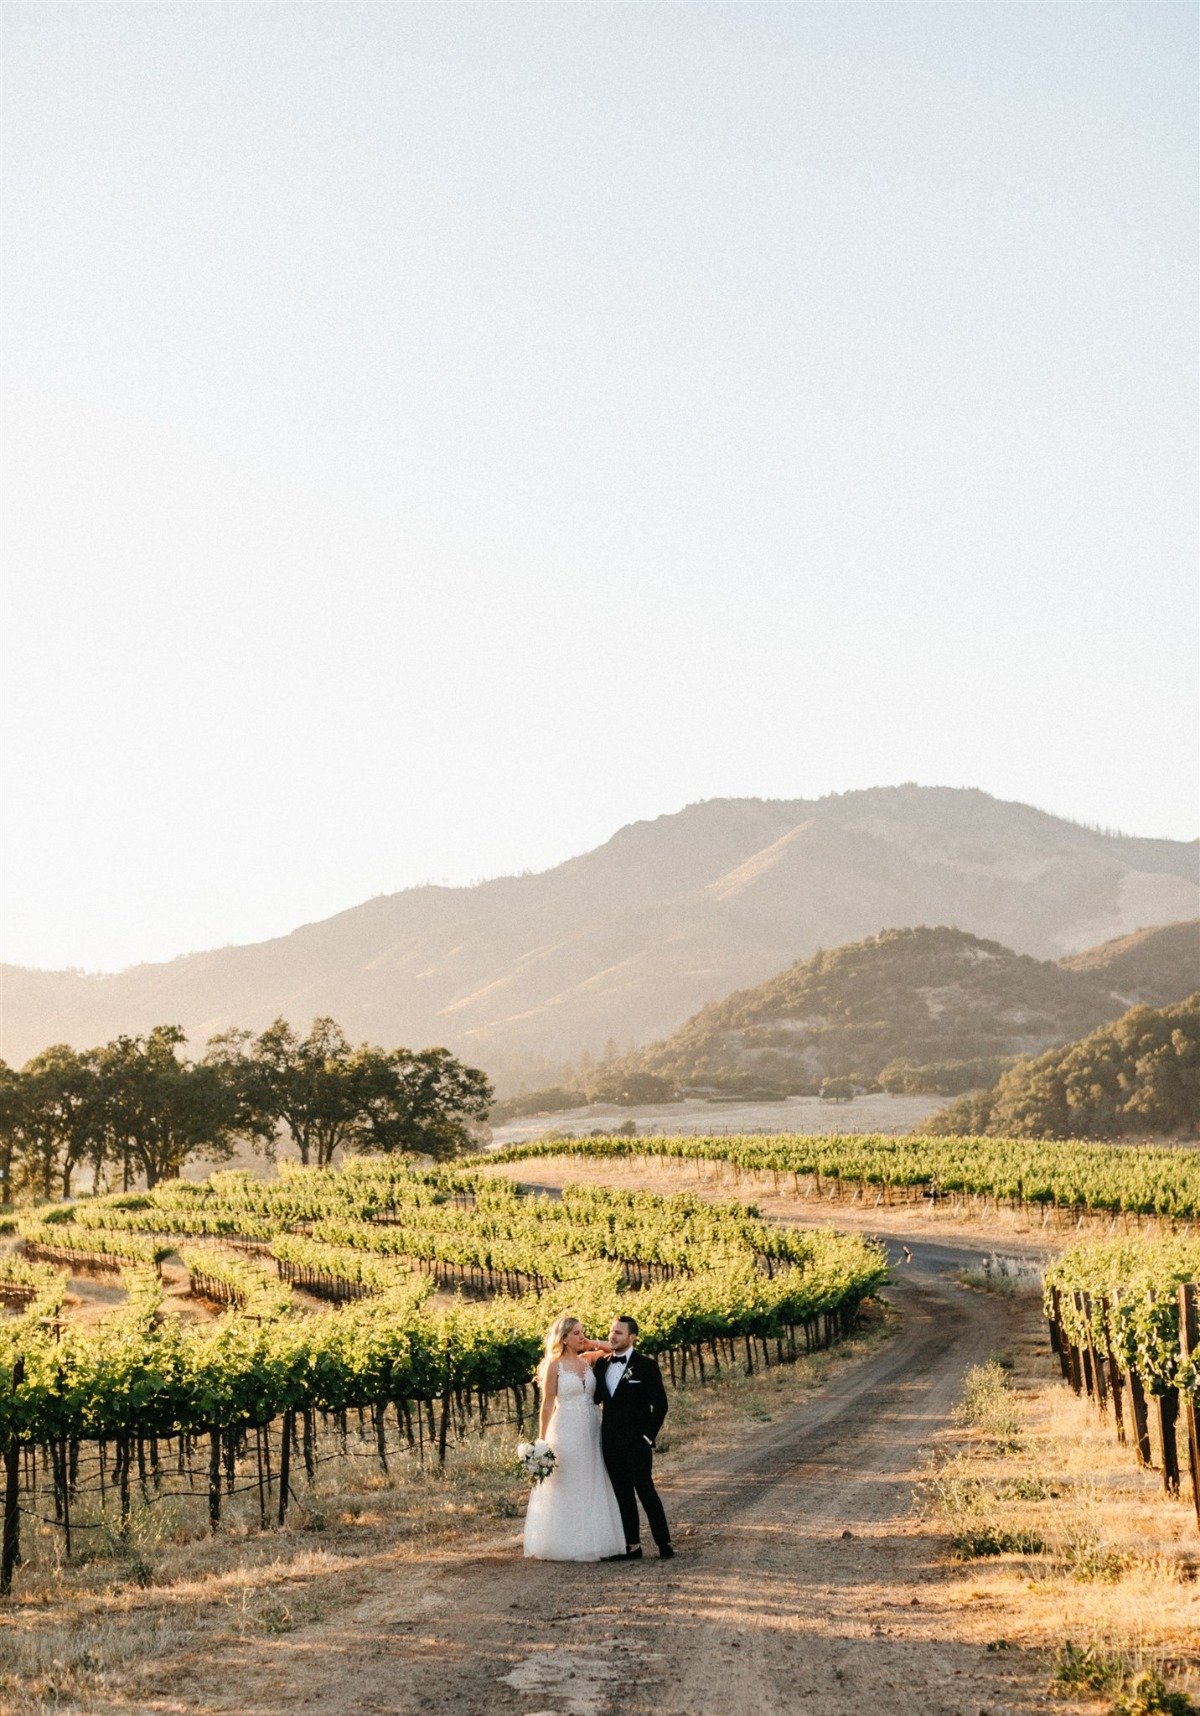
(573, 1514)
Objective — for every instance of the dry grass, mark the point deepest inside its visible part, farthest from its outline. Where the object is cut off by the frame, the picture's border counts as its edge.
(1007, 1276)
(1077, 1550)
(110, 1631)
(989, 1404)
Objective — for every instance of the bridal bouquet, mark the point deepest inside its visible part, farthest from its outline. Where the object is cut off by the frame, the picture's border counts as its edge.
(536, 1460)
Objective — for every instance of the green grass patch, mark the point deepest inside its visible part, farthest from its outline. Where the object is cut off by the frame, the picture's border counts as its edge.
(972, 1542)
(988, 1404)
(1135, 1691)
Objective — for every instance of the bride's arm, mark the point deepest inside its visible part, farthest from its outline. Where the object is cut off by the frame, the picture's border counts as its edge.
(596, 1350)
(549, 1396)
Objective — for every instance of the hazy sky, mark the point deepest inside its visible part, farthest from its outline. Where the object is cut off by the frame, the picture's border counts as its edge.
(437, 435)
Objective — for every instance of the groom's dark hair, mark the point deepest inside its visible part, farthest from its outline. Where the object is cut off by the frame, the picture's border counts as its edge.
(629, 1322)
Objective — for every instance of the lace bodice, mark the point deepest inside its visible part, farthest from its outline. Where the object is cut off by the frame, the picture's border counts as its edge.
(575, 1390)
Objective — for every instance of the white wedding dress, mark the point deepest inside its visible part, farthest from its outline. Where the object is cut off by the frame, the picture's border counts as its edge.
(573, 1514)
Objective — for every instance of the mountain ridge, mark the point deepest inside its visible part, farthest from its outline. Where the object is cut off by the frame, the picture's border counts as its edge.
(518, 973)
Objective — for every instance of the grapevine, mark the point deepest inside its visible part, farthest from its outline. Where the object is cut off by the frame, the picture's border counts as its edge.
(1100, 1178)
(711, 1285)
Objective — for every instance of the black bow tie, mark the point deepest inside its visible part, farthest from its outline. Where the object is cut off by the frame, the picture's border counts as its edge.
(618, 1358)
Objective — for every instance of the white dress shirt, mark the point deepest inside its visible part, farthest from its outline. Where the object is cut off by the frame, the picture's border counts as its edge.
(613, 1376)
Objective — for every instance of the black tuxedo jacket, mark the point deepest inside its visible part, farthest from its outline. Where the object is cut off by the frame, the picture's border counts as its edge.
(637, 1406)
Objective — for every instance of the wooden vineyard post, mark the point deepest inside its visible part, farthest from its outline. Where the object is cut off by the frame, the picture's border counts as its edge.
(1141, 1421)
(1168, 1414)
(1052, 1323)
(1084, 1353)
(214, 1480)
(1074, 1363)
(1189, 1346)
(262, 1494)
(285, 1461)
(1167, 1405)
(1097, 1369)
(11, 1553)
(1057, 1341)
(1114, 1372)
(66, 1497)
(308, 1443)
(444, 1421)
(1137, 1408)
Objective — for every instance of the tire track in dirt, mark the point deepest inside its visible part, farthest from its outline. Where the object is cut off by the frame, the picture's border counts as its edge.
(801, 1579)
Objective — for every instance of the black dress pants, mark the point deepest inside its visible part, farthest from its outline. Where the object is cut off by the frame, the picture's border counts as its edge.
(630, 1464)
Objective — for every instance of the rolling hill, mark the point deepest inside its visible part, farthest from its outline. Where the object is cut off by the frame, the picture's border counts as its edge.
(926, 997)
(627, 941)
(1153, 967)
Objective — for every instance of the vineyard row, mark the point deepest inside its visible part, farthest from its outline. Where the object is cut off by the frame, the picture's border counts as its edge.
(1068, 1176)
(146, 1391)
(1124, 1321)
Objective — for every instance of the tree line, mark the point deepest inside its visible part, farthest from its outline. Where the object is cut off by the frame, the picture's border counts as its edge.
(137, 1109)
(1138, 1076)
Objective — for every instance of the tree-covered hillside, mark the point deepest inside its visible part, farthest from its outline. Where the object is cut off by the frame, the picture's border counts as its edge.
(913, 1008)
(1139, 1076)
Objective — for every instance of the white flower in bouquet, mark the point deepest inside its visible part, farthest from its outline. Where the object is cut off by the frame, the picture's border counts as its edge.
(536, 1460)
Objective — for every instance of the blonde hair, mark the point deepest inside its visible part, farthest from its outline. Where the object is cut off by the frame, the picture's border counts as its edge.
(556, 1337)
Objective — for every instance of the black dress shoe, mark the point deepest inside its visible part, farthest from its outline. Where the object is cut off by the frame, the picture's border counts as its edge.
(665, 1552)
(634, 1554)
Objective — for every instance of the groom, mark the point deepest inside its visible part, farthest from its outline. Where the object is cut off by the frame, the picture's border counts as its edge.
(634, 1404)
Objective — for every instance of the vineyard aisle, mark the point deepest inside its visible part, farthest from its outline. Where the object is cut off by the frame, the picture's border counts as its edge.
(802, 1580)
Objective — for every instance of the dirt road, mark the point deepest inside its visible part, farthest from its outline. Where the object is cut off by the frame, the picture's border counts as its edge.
(801, 1582)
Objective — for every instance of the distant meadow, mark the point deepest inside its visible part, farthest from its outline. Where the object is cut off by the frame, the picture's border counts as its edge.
(694, 1117)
